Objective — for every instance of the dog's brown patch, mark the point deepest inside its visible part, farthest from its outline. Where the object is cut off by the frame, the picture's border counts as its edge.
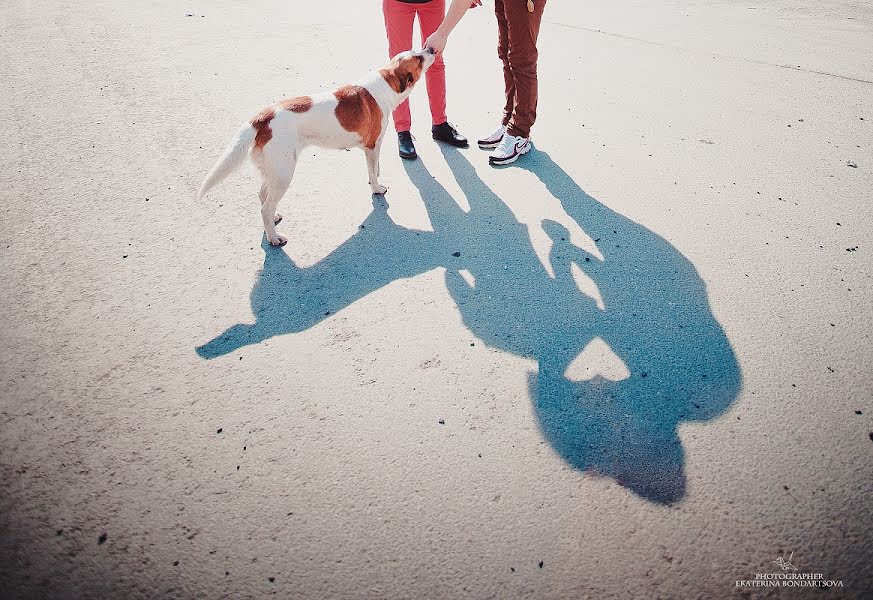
(300, 104)
(400, 74)
(358, 111)
(261, 123)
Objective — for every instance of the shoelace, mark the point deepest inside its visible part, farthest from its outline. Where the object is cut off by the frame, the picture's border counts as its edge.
(501, 131)
(452, 127)
(507, 142)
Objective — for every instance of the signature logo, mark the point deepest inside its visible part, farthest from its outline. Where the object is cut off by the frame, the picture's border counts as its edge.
(785, 563)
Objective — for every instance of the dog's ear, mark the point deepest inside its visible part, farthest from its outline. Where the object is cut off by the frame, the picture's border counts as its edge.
(394, 78)
(402, 79)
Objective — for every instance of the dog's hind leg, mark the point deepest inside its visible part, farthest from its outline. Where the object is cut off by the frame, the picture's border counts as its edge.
(278, 175)
(275, 190)
(372, 155)
(262, 196)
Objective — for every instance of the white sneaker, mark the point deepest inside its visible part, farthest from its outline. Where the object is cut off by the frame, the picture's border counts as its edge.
(491, 141)
(509, 149)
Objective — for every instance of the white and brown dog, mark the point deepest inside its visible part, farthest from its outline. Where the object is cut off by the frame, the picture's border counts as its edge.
(353, 116)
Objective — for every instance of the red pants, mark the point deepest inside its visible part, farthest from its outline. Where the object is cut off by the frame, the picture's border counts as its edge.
(518, 31)
(399, 19)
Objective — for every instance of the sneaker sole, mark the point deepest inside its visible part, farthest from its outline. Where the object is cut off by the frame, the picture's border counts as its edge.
(488, 145)
(511, 159)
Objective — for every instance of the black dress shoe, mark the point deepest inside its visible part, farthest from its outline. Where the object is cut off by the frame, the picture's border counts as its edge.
(448, 134)
(407, 148)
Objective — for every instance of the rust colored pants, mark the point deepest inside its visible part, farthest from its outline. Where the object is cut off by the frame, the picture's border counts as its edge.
(517, 48)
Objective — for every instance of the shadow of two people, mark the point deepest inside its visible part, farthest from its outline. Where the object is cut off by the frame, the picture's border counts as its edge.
(654, 315)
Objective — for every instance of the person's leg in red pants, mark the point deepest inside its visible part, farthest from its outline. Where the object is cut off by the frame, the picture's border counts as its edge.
(430, 16)
(399, 21)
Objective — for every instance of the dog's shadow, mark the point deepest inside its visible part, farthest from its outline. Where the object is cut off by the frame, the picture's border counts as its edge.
(654, 316)
(290, 299)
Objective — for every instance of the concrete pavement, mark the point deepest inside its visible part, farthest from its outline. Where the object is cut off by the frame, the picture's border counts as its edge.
(636, 365)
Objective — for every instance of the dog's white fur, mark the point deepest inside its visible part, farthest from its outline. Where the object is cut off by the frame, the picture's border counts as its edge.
(290, 131)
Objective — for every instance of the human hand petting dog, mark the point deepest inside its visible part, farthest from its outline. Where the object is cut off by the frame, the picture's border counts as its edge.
(438, 39)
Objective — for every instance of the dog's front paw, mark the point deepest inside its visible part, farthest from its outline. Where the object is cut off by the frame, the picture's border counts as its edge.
(379, 189)
(278, 241)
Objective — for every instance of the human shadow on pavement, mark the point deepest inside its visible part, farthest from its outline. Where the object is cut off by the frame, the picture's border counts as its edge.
(654, 315)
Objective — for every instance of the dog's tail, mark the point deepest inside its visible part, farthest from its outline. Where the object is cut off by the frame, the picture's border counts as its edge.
(232, 158)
